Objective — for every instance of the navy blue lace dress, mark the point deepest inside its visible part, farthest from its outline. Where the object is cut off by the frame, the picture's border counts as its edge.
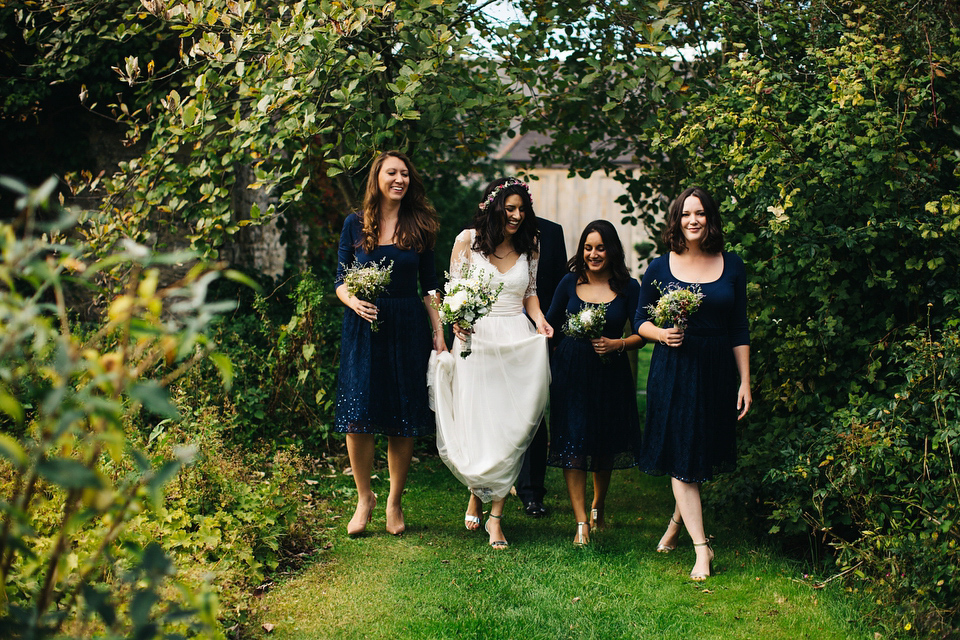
(594, 424)
(382, 385)
(691, 428)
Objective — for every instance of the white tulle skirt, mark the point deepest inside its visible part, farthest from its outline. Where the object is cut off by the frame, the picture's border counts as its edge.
(488, 405)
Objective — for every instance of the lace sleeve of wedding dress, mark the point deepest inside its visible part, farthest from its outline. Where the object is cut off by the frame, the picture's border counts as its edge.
(533, 262)
(460, 256)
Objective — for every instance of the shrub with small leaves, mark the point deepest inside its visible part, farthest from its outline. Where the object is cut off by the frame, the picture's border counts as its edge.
(72, 478)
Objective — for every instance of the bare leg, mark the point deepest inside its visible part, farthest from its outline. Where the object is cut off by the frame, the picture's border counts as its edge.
(399, 454)
(688, 503)
(475, 510)
(671, 537)
(577, 489)
(360, 448)
(601, 484)
(497, 541)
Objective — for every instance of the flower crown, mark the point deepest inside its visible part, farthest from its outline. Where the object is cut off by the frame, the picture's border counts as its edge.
(496, 191)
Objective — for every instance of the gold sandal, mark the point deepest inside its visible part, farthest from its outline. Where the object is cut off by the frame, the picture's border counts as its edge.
(666, 548)
(699, 576)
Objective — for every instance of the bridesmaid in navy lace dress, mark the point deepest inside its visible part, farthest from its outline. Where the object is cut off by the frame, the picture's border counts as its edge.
(382, 386)
(593, 399)
(699, 381)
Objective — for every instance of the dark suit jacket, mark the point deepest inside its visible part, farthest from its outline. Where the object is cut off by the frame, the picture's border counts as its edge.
(553, 261)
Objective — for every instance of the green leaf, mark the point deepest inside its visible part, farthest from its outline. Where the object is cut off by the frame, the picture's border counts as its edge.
(12, 451)
(224, 368)
(98, 600)
(69, 473)
(154, 399)
(160, 477)
(10, 406)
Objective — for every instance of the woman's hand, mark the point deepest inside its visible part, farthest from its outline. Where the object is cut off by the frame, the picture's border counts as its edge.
(460, 332)
(439, 343)
(544, 328)
(366, 310)
(744, 400)
(604, 345)
(671, 337)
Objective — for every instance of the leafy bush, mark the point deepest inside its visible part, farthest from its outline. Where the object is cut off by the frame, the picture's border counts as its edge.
(233, 517)
(72, 478)
(834, 155)
(91, 435)
(284, 351)
(881, 484)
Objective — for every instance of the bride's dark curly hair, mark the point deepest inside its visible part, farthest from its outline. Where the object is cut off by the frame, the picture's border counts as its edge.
(491, 218)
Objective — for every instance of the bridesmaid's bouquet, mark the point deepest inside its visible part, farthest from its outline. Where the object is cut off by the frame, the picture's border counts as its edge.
(675, 305)
(469, 298)
(587, 323)
(368, 281)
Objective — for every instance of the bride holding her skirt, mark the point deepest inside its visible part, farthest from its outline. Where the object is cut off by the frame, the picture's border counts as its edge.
(489, 404)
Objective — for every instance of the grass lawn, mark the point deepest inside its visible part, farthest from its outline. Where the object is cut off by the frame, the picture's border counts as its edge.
(441, 581)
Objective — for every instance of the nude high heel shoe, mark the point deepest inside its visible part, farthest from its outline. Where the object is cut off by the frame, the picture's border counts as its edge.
(698, 576)
(359, 528)
(667, 548)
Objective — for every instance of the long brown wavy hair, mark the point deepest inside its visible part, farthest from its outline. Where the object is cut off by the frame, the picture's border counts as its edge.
(417, 225)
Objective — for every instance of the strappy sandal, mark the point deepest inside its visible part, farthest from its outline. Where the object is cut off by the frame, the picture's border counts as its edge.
(496, 544)
(582, 538)
(667, 548)
(595, 520)
(699, 576)
(472, 523)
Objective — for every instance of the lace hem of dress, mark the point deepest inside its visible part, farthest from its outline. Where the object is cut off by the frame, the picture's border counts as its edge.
(485, 494)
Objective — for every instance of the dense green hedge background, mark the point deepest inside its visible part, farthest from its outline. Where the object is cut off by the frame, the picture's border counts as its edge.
(827, 130)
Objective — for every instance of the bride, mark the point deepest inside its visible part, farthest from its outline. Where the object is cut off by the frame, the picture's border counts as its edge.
(488, 405)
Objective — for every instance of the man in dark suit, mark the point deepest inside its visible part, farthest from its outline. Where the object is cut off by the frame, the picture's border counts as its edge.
(553, 266)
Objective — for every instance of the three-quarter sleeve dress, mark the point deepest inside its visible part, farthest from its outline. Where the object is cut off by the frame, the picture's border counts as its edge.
(594, 424)
(690, 431)
(382, 384)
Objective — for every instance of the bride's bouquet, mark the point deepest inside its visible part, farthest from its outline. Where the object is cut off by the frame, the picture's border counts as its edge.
(675, 305)
(587, 323)
(467, 299)
(368, 281)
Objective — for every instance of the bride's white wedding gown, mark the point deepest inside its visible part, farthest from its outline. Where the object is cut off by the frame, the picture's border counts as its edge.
(488, 405)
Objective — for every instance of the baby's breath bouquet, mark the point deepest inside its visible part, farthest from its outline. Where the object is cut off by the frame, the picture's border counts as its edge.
(468, 298)
(368, 281)
(587, 323)
(675, 305)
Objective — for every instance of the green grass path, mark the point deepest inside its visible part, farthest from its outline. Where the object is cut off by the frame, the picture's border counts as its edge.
(441, 581)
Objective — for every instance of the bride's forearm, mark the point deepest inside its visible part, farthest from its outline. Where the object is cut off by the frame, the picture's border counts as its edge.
(532, 306)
